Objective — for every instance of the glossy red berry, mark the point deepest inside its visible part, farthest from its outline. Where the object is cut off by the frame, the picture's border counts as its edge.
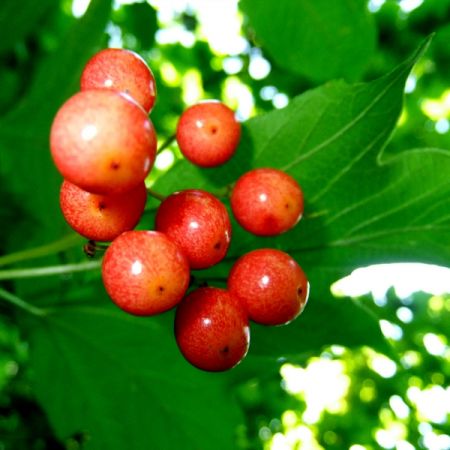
(270, 284)
(145, 273)
(103, 142)
(198, 223)
(211, 329)
(208, 133)
(121, 70)
(267, 202)
(101, 217)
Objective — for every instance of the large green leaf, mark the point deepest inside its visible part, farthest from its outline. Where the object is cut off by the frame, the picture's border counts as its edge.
(319, 39)
(403, 216)
(358, 210)
(121, 381)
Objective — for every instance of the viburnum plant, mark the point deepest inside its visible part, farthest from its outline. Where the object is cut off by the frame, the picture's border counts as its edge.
(104, 145)
(107, 379)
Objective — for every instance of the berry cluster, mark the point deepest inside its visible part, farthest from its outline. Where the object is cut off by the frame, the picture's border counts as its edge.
(104, 145)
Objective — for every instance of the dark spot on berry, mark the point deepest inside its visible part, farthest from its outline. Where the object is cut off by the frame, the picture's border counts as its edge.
(101, 206)
(217, 245)
(161, 288)
(300, 291)
(114, 165)
(214, 130)
(286, 205)
(225, 350)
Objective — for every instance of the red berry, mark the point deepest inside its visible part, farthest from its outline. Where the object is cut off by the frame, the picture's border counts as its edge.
(270, 284)
(199, 223)
(208, 133)
(267, 202)
(121, 70)
(145, 273)
(211, 329)
(103, 142)
(101, 217)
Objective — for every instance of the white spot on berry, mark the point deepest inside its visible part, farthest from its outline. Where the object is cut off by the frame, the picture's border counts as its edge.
(89, 132)
(136, 268)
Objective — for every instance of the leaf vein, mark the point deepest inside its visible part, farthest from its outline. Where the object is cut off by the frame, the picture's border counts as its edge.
(345, 128)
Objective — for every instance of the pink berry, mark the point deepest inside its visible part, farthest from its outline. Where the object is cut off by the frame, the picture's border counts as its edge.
(267, 202)
(103, 142)
(101, 217)
(270, 284)
(121, 70)
(199, 224)
(208, 133)
(211, 329)
(145, 273)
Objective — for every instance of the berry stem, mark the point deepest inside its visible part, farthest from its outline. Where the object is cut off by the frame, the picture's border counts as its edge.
(156, 195)
(22, 304)
(225, 191)
(34, 272)
(166, 143)
(44, 250)
(91, 248)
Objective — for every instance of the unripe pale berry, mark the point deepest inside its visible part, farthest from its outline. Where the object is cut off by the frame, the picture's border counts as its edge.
(103, 142)
(270, 284)
(267, 201)
(145, 273)
(121, 70)
(208, 133)
(101, 217)
(199, 223)
(211, 329)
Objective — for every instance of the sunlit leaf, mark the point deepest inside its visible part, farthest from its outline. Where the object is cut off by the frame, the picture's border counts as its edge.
(317, 39)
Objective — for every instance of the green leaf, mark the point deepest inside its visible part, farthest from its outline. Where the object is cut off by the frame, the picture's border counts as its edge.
(318, 39)
(25, 162)
(17, 21)
(129, 386)
(139, 20)
(358, 209)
